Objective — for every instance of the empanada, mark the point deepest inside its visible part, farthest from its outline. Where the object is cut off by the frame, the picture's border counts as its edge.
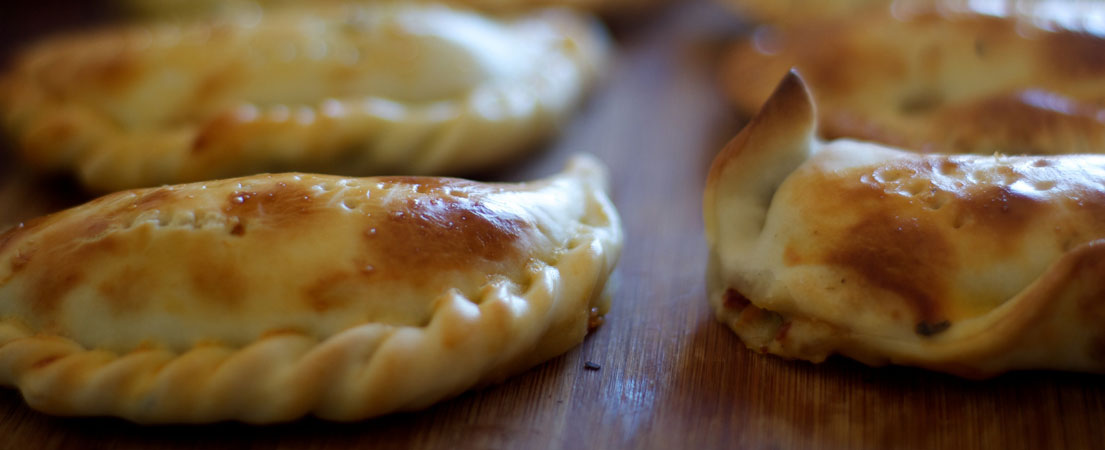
(949, 83)
(194, 8)
(356, 90)
(967, 264)
(265, 298)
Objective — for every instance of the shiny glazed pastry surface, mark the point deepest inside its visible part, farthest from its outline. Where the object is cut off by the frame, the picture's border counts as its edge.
(973, 265)
(355, 90)
(266, 298)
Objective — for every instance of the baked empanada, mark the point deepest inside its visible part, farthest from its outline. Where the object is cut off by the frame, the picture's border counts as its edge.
(967, 264)
(948, 83)
(356, 90)
(265, 298)
(194, 8)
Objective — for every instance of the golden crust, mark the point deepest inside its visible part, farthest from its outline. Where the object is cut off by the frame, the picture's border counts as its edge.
(265, 298)
(972, 265)
(949, 83)
(354, 90)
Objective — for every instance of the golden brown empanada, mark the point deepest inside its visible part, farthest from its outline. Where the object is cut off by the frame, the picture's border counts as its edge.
(265, 298)
(193, 8)
(967, 264)
(389, 88)
(949, 83)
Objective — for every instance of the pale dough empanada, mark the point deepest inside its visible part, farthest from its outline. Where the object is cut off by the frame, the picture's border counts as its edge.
(948, 83)
(265, 298)
(973, 265)
(356, 90)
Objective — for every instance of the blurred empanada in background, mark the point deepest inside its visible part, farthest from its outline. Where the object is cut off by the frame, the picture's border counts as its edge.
(198, 8)
(949, 81)
(265, 298)
(356, 90)
(968, 264)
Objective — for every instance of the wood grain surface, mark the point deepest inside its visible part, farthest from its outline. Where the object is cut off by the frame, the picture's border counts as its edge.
(670, 377)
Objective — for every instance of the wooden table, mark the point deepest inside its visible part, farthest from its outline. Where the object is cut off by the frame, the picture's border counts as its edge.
(671, 377)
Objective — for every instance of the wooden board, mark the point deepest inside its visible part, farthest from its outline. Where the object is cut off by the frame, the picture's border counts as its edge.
(671, 377)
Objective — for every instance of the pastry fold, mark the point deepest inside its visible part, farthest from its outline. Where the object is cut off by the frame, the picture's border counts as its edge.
(265, 298)
(343, 89)
(967, 264)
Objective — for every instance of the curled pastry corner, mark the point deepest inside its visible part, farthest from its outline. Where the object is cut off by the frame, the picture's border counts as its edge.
(964, 264)
(501, 278)
(344, 89)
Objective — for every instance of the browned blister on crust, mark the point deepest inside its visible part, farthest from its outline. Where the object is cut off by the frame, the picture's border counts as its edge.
(949, 82)
(266, 298)
(973, 265)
